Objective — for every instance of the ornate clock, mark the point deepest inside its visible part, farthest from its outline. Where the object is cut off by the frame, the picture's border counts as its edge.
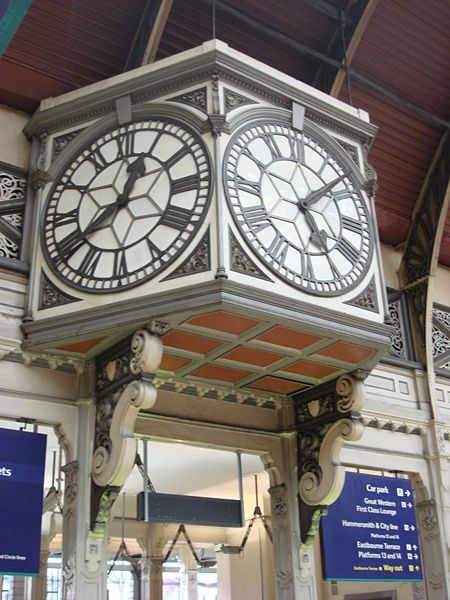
(127, 205)
(299, 206)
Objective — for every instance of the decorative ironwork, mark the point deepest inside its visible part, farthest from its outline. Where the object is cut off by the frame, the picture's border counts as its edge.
(51, 296)
(234, 100)
(440, 332)
(241, 262)
(351, 150)
(325, 416)
(12, 206)
(367, 299)
(61, 141)
(195, 98)
(401, 344)
(198, 261)
(397, 341)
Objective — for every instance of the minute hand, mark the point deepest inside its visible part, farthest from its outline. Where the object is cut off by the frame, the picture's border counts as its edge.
(316, 195)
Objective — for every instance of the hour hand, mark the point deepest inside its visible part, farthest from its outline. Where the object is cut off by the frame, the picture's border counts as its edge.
(136, 169)
(318, 236)
(316, 195)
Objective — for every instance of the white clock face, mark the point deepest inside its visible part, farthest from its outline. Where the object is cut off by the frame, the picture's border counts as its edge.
(127, 205)
(298, 207)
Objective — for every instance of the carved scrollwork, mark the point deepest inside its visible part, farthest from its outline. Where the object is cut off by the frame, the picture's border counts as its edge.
(326, 418)
(324, 489)
(146, 352)
(350, 393)
(123, 389)
(113, 461)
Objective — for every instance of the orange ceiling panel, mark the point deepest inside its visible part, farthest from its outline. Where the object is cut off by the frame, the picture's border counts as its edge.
(277, 385)
(172, 363)
(82, 347)
(310, 369)
(223, 321)
(220, 373)
(252, 356)
(349, 353)
(289, 338)
(190, 341)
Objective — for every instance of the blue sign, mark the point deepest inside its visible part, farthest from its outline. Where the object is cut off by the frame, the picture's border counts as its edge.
(370, 532)
(22, 467)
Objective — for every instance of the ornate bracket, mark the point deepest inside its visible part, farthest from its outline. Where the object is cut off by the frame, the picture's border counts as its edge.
(326, 417)
(124, 387)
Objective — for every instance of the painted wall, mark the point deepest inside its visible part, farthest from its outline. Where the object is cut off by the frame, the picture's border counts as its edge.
(14, 146)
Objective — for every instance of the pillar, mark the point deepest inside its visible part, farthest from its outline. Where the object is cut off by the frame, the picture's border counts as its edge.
(84, 554)
(153, 544)
(37, 586)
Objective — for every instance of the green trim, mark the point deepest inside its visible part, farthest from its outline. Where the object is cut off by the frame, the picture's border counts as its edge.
(11, 21)
(19, 574)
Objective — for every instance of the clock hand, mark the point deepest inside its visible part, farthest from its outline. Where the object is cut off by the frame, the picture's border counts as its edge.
(318, 236)
(316, 195)
(136, 170)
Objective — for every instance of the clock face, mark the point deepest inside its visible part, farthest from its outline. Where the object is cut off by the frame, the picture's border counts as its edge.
(299, 207)
(127, 205)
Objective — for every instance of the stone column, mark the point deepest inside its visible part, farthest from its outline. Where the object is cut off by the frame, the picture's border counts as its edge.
(153, 544)
(285, 526)
(84, 554)
(156, 577)
(37, 586)
(432, 560)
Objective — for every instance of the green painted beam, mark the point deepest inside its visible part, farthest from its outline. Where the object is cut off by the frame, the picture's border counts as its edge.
(12, 13)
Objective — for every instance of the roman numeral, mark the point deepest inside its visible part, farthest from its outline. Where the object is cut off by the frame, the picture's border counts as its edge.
(246, 152)
(278, 248)
(296, 148)
(352, 224)
(342, 194)
(176, 217)
(155, 252)
(70, 244)
(185, 184)
(256, 217)
(97, 159)
(306, 267)
(120, 264)
(251, 187)
(347, 250)
(334, 269)
(272, 145)
(179, 154)
(90, 261)
(68, 218)
(125, 144)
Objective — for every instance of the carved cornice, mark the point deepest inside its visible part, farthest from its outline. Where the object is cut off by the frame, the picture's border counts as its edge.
(326, 417)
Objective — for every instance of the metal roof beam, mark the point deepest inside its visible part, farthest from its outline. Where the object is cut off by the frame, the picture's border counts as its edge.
(330, 11)
(276, 35)
(148, 33)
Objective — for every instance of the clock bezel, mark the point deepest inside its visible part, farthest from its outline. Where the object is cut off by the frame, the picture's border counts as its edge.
(279, 117)
(84, 141)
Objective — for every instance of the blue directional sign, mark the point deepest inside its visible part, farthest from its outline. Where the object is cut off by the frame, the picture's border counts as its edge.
(370, 532)
(22, 466)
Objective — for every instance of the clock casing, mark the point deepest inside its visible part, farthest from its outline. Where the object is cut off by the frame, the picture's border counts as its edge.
(126, 205)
